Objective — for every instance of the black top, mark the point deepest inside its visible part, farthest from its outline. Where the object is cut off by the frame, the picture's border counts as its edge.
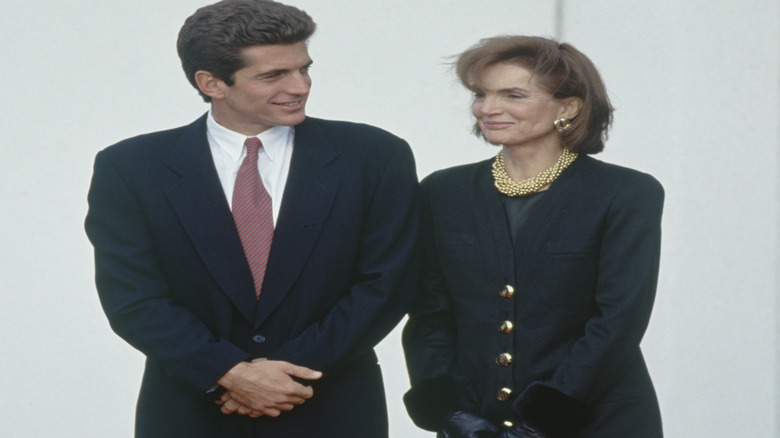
(517, 209)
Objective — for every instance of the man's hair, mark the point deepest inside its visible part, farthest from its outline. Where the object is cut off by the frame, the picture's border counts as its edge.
(559, 69)
(213, 37)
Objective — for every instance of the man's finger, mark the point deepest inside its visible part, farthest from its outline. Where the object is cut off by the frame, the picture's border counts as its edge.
(229, 407)
(222, 399)
(302, 372)
(255, 414)
(271, 412)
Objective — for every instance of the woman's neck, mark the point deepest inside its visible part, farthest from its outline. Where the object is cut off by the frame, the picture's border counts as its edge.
(523, 162)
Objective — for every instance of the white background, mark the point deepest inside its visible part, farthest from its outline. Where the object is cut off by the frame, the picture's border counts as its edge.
(695, 84)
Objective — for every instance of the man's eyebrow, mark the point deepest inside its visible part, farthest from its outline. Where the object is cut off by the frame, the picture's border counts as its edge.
(277, 71)
(273, 72)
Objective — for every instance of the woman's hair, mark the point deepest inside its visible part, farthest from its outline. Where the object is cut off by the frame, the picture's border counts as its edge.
(557, 68)
(214, 36)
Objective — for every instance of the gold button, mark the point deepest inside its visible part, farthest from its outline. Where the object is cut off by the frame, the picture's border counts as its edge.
(506, 327)
(508, 424)
(504, 359)
(507, 291)
(504, 394)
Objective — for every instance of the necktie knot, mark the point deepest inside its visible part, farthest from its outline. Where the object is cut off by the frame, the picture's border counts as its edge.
(252, 145)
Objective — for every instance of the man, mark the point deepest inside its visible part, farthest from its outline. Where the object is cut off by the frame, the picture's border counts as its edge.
(256, 255)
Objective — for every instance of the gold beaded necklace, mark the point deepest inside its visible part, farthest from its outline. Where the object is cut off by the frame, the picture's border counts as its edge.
(506, 185)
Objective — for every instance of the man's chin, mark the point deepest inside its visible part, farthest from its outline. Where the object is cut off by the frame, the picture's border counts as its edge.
(293, 120)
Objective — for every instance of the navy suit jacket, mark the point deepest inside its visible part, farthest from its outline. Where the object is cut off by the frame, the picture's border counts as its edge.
(174, 282)
(584, 270)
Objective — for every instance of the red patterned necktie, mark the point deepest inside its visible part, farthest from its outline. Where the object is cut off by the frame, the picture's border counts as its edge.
(252, 213)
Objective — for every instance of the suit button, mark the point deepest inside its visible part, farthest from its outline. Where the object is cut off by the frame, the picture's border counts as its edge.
(506, 327)
(507, 291)
(508, 424)
(504, 394)
(504, 359)
(258, 339)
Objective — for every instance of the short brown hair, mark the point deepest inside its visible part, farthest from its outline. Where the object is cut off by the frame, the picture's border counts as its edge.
(213, 37)
(559, 69)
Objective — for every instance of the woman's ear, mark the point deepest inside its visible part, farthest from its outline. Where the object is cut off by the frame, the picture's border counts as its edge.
(571, 107)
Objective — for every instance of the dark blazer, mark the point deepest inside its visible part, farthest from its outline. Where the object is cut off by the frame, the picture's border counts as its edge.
(174, 282)
(583, 270)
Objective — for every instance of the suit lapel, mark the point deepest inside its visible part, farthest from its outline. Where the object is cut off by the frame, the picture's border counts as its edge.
(199, 202)
(308, 195)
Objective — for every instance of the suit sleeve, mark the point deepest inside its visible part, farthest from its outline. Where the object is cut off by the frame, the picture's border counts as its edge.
(133, 289)
(429, 341)
(384, 273)
(625, 291)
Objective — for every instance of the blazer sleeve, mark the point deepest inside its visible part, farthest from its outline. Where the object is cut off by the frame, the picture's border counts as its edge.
(133, 289)
(429, 340)
(384, 273)
(625, 291)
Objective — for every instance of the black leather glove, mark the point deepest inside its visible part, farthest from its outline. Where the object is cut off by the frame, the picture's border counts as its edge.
(461, 424)
(521, 431)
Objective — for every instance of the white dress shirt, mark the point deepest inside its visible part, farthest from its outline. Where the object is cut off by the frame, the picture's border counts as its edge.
(273, 160)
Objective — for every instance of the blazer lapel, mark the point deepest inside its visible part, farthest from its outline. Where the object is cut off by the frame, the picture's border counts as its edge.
(492, 227)
(199, 202)
(551, 206)
(308, 195)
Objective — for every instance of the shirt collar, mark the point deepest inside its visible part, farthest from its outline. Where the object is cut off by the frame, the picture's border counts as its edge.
(274, 139)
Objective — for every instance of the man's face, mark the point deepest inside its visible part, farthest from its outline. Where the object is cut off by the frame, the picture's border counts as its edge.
(271, 90)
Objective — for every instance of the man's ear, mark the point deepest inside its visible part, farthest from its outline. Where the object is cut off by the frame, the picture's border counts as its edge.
(209, 84)
(571, 107)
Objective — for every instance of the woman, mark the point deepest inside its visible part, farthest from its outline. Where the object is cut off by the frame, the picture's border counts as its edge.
(540, 265)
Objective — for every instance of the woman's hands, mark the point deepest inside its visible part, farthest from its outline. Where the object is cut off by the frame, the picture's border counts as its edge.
(462, 424)
(521, 431)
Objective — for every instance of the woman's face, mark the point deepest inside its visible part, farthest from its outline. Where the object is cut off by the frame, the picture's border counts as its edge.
(511, 110)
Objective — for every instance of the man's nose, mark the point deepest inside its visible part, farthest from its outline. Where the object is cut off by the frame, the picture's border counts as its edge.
(298, 83)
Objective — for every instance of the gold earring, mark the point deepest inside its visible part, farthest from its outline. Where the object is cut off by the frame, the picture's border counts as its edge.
(562, 125)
